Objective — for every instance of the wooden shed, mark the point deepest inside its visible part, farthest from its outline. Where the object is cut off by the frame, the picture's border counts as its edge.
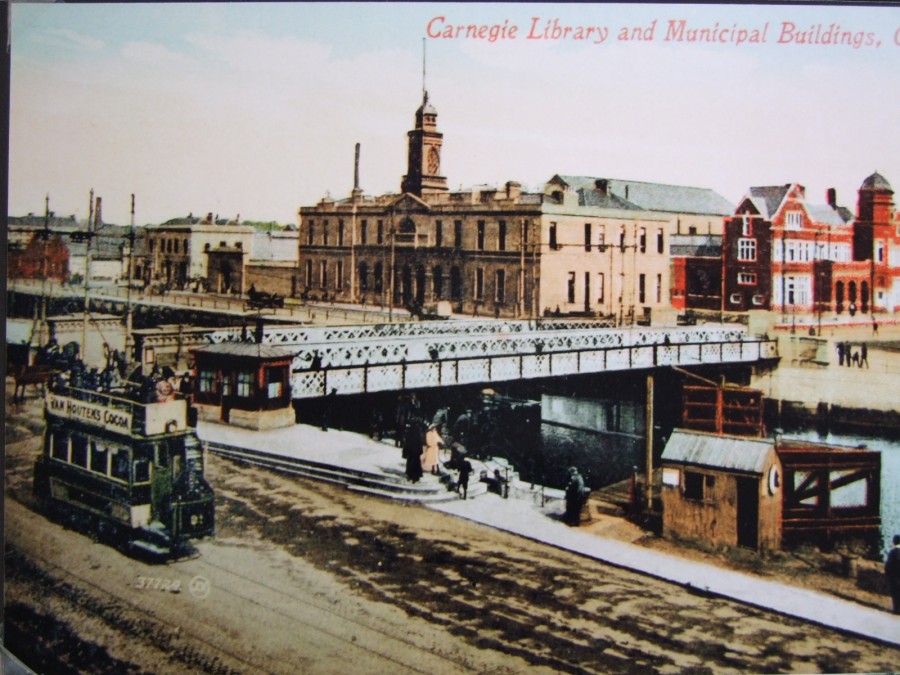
(243, 384)
(722, 489)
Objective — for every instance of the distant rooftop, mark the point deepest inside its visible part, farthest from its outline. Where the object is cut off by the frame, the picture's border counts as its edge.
(648, 196)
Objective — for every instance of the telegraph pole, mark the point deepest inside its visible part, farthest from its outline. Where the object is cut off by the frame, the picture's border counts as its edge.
(355, 196)
(128, 309)
(87, 270)
(649, 431)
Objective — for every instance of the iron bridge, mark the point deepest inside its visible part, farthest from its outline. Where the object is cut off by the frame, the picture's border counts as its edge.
(395, 357)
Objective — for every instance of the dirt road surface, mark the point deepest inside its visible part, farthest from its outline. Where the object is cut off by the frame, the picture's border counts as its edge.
(308, 577)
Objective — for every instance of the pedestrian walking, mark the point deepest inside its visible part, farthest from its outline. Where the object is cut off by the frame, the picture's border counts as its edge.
(840, 351)
(847, 361)
(892, 572)
(863, 355)
(874, 326)
(465, 470)
(856, 358)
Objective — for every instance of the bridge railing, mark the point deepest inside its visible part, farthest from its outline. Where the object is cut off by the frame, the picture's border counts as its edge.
(417, 374)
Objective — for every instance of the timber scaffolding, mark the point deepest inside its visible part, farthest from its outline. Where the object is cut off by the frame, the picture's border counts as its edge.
(811, 472)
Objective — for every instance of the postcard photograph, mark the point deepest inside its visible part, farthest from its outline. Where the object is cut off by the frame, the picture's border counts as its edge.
(452, 337)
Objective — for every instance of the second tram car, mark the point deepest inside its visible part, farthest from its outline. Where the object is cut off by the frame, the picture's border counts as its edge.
(124, 470)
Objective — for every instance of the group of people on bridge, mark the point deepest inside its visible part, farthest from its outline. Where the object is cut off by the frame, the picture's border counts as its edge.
(849, 355)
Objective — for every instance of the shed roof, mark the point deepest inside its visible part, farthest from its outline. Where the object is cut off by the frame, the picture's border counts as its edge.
(246, 349)
(728, 453)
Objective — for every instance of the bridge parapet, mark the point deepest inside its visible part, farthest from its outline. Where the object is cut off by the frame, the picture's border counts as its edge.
(371, 361)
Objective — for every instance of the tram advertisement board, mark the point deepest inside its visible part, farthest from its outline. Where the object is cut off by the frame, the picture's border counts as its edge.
(113, 419)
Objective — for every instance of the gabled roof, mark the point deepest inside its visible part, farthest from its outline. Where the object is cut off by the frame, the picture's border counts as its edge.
(416, 202)
(728, 453)
(767, 199)
(655, 196)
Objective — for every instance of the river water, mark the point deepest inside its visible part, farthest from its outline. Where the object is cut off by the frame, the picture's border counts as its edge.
(605, 440)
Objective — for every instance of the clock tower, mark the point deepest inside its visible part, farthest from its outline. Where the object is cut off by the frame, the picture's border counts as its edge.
(424, 163)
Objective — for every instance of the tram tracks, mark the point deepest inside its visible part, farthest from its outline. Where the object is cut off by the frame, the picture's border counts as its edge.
(187, 643)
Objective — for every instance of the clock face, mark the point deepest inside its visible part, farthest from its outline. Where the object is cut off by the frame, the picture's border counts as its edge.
(434, 161)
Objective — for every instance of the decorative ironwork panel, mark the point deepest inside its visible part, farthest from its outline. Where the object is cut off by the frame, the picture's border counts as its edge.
(505, 368)
(565, 364)
(419, 375)
(307, 385)
(385, 378)
(347, 381)
(473, 371)
(617, 359)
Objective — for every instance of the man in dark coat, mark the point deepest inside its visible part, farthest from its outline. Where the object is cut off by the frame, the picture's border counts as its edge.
(575, 495)
(412, 450)
(462, 487)
(892, 572)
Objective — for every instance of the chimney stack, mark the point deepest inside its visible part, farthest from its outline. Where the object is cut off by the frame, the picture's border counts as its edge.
(832, 198)
(357, 191)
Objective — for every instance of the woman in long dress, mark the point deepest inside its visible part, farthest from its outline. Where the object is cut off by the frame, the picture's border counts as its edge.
(433, 442)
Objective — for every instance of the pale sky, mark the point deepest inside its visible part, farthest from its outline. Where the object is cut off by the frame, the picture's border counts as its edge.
(254, 109)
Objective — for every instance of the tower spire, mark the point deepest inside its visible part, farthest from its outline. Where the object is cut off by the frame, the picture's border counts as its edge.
(424, 88)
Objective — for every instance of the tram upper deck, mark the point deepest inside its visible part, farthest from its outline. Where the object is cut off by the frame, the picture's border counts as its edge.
(119, 413)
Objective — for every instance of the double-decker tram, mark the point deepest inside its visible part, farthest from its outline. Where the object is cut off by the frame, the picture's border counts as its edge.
(125, 468)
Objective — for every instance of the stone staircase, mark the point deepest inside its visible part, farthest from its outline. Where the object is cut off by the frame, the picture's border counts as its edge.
(389, 482)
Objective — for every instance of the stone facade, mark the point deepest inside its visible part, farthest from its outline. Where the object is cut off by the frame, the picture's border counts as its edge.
(578, 247)
(176, 252)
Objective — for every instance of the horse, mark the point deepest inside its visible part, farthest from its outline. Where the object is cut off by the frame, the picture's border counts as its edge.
(38, 376)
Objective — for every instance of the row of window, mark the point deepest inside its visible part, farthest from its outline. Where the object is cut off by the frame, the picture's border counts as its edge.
(571, 287)
(167, 245)
(599, 244)
(110, 460)
(498, 239)
(441, 238)
(244, 383)
(376, 281)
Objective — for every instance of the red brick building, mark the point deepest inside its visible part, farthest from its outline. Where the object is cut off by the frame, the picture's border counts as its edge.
(45, 256)
(783, 253)
(876, 238)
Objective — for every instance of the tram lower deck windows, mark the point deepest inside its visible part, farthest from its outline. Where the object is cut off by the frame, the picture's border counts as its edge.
(60, 446)
(141, 471)
(80, 451)
(99, 458)
(119, 466)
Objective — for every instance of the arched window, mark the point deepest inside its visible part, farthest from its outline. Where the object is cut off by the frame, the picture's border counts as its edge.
(839, 297)
(864, 297)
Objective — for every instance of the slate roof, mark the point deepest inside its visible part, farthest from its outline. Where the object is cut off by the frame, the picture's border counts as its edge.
(728, 453)
(657, 196)
(696, 245)
(822, 213)
(251, 349)
(767, 199)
